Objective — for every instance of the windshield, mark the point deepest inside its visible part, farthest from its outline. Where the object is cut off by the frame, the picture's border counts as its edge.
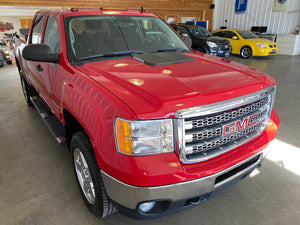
(198, 32)
(93, 37)
(246, 34)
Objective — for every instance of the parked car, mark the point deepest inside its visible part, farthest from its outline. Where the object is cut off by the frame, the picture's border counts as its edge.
(247, 44)
(5, 50)
(6, 54)
(1, 59)
(203, 41)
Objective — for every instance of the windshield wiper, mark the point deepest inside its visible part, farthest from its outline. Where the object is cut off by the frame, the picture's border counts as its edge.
(111, 54)
(172, 49)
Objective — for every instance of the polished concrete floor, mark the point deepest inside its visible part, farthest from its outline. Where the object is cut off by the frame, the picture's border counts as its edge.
(37, 184)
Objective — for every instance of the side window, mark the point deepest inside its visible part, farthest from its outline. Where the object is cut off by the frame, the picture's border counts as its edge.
(51, 37)
(220, 34)
(36, 36)
(229, 34)
(181, 30)
(233, 35)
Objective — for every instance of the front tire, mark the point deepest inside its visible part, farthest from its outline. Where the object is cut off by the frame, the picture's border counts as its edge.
(88, 176)
(246, 52)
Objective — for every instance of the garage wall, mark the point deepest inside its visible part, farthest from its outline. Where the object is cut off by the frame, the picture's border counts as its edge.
(11, 19)
(259, 13)
(164, 8)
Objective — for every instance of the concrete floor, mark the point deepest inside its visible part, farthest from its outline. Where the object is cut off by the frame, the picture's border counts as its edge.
(37, 184)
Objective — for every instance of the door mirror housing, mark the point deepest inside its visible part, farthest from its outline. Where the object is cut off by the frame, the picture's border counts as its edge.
(39, 53)
(235, 38)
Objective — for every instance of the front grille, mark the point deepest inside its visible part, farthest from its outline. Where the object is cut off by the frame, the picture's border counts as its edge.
(271, 46)
(224, 47)
(208, 131)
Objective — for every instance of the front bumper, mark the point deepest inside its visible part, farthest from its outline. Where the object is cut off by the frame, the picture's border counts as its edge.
(265, 51)
(178, 196)
(220, 52)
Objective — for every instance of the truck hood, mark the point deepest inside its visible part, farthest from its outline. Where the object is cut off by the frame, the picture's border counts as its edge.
(159, 91)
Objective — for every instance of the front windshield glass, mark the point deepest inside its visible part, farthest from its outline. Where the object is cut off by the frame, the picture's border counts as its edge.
(198, 32)
(119, 35)
(246, 34)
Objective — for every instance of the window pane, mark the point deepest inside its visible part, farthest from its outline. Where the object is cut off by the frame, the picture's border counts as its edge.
(36, 33)
(51, 35)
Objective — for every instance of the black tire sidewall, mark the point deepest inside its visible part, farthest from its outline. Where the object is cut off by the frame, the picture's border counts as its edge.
(206, 50)
(27, 94)
(81, 141)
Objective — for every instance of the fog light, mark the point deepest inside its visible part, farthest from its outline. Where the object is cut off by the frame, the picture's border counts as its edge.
(146, 206)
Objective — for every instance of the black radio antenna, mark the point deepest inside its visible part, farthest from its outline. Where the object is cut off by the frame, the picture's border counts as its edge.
(142, 9)
(62, 5)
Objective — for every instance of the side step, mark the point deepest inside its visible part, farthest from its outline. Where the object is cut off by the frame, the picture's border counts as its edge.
(53, 124)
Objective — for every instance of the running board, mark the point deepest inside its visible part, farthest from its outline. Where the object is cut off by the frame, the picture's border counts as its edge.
(52, 123)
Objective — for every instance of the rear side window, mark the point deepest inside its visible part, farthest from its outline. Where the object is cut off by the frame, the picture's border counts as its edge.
(51, 37)
(36, 36)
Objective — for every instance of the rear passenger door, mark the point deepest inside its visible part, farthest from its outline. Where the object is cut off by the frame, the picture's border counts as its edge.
(31, 71)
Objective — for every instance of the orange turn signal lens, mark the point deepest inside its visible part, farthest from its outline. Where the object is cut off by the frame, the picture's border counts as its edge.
(123, 135)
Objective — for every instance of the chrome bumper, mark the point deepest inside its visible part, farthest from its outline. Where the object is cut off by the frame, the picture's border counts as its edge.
(130, 196)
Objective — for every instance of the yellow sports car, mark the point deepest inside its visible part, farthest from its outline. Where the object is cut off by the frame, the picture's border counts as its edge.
(247, 44)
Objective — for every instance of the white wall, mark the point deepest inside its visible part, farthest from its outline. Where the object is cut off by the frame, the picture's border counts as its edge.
(15, 20)
(259, 13)
(13, 14)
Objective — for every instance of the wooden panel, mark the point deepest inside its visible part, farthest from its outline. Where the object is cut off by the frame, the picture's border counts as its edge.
(164, 8)
(25, 23)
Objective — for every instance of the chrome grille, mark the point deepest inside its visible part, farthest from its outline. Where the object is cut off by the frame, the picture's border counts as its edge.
(225, 116)
(207, 131)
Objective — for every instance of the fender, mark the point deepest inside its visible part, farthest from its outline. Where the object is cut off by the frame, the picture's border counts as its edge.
(95, 109)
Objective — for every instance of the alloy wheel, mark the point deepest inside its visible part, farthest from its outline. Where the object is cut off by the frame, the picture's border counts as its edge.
(84, 176)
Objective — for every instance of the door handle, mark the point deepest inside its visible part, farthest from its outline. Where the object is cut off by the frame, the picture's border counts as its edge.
(39, 68)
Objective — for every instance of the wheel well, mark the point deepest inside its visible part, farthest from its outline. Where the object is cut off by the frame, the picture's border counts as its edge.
(246, 46)
(72, 126)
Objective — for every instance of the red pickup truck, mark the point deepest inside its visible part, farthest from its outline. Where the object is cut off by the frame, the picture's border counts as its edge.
(153, 127)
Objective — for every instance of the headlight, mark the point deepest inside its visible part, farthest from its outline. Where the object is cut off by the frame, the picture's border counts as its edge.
(144, 137)
(211, 44)
(260, 45)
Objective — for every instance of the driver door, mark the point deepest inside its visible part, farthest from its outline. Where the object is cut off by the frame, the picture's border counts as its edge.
(51, 73)
(234, 40)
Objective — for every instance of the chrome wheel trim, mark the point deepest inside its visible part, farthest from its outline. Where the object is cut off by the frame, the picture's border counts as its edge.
(84, 176)
(246, 52)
